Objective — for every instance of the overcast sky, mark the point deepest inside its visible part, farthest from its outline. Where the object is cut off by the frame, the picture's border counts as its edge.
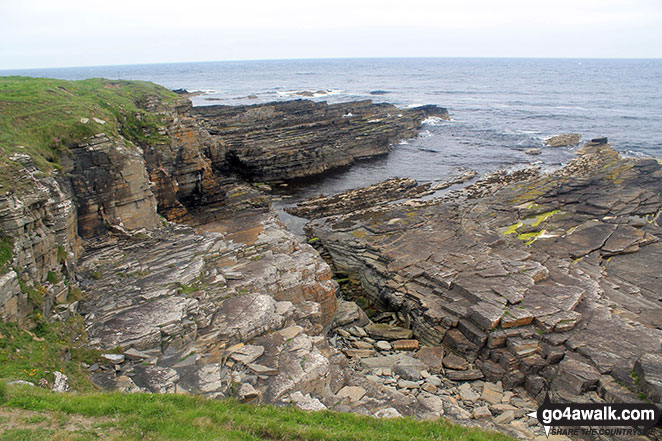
(53, 33)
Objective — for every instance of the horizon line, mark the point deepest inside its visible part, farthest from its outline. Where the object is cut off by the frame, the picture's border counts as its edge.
(331, 58)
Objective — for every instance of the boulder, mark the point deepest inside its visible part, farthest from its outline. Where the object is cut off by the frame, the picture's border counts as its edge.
(383, 331)
(563, 140)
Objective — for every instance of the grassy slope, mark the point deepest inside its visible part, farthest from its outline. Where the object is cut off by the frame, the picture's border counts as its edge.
(185, 417)
(42, 117)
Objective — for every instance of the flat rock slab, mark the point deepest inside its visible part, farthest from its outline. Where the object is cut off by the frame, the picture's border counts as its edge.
(432, 357)
(468, 375)
(354, 393)
(454, 362)
(390, 361)
(405, 345)
(387, 332)
(576, 376)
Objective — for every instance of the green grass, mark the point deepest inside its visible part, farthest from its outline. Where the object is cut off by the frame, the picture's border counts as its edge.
(29, 356)
(186, 417)
(42, 116)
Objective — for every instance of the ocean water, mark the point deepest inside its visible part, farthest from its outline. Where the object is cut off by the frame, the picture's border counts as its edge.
(499, 107)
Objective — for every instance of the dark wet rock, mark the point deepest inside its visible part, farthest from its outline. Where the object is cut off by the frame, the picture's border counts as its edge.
(292, 139)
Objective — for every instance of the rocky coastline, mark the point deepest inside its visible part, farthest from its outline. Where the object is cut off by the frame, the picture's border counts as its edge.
(405, 300)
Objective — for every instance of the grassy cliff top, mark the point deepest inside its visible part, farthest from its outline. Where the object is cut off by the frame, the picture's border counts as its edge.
(42, 117)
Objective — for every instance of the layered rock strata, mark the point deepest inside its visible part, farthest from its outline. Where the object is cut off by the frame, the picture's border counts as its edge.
(544, 281)
(294, 139)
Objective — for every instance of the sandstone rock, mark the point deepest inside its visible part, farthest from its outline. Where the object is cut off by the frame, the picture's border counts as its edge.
(482, 412)
(359, 353)
(432, 357)
(155, 379)
(349, 312)
(467, 393)
(432, 403)
(452, 361)
(467, 375)
(407, 372)
(114, 358)
(126, 385)
(387, 332)
(247, 354)
(383, 345)
(492, 393)
(563, 140)
(275, 141)
(505, 418)
(407, 384)
(135, 354)
(405, 345)
(390, 361)
(486, 315)
(533, 151)
(354, 393)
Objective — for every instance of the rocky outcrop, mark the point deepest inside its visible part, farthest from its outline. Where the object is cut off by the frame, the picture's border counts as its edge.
(242, 303)
(565, 140)
(39, 222)
(111, 185)
(368, 197)
(294, 139)
(544, 281)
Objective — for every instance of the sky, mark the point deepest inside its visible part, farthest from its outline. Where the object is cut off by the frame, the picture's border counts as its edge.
(47, 33)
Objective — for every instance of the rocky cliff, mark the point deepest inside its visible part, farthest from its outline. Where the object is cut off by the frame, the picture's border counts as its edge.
(294, 139)
(549, 282)
(237, 306)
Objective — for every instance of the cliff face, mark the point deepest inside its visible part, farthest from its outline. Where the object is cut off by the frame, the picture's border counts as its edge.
(111, 185)
(41, 222)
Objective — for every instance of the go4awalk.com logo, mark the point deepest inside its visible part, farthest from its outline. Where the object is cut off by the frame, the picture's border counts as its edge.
(607, 419)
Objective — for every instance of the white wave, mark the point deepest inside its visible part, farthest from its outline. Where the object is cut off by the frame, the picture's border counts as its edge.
(433, 121)
(316, 93)
(403, 142)
(205, 91)
(425, 134)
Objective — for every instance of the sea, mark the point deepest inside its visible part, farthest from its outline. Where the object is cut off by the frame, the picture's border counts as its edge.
(498, 107)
